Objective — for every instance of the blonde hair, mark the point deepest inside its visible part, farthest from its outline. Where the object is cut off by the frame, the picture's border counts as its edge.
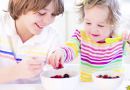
(113, 6)
(19, 7)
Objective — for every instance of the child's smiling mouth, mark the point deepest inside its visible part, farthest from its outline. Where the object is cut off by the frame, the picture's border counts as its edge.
(40, 27)
(95, 35)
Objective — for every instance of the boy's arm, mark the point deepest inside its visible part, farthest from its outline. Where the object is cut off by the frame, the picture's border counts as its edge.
(8, 74)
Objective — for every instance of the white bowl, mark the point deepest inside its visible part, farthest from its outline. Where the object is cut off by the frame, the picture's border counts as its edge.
(60, 83)
(107, 83)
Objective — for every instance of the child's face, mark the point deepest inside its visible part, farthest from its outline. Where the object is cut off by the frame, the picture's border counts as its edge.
(96, 24)
(34, 22)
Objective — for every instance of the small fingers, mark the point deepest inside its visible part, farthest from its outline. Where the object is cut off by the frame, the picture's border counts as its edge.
(51, 60)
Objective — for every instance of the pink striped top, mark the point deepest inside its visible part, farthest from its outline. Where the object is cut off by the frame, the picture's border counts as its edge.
(94, 56)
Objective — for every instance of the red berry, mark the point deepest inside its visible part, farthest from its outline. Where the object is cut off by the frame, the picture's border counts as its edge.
(60, 66)
(105, 76)
(57, 76)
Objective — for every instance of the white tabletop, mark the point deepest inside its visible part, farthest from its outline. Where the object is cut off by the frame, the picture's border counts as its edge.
(82, 86)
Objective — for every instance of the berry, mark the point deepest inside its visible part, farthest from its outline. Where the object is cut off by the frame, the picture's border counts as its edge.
(117, 76)
(60, 76)
(57, 76)
(107, 76)
(99, 76)
(66, 76)
(60, 66)
(110, 77)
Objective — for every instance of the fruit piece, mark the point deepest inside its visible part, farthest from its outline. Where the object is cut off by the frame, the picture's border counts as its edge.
(60, 65)
(57, 76)
(66, 76)
(117, 76)
(99, 76)
(60, 76)
(107, 76)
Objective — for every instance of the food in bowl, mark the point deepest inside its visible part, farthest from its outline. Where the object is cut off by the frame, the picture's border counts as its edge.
(61, 76)
(107, 80)
(107, 76)
(63, 83)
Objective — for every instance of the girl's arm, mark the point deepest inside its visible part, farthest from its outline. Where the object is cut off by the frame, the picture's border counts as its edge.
(67, 52)
(72, 46)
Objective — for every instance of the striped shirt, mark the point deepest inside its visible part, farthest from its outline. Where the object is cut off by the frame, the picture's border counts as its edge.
(94, 56)
(13, 50)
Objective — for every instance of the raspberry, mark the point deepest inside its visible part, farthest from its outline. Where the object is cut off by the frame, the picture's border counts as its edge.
(60, 66)
(57, 76)
(105, 76)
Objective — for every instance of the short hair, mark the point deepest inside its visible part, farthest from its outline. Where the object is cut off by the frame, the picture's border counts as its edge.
(113, 6)
(18, 7)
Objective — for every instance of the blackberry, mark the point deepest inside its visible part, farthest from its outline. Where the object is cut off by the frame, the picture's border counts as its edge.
(66, 76)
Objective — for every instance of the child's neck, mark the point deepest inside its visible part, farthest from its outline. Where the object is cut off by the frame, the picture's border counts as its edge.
(22, 32)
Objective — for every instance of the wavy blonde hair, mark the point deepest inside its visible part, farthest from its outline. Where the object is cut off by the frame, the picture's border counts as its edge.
(113, 6)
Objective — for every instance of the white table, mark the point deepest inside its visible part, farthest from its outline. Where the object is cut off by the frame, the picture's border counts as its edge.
(82, 86)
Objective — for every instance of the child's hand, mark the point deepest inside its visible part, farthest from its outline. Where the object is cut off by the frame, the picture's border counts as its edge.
(29, 68)
(56, 59)
(126, 36)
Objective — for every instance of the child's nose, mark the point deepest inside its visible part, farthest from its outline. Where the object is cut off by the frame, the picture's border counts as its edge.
(94, 29)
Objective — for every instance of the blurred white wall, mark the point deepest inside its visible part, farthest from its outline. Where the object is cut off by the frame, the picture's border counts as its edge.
(3, 4)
